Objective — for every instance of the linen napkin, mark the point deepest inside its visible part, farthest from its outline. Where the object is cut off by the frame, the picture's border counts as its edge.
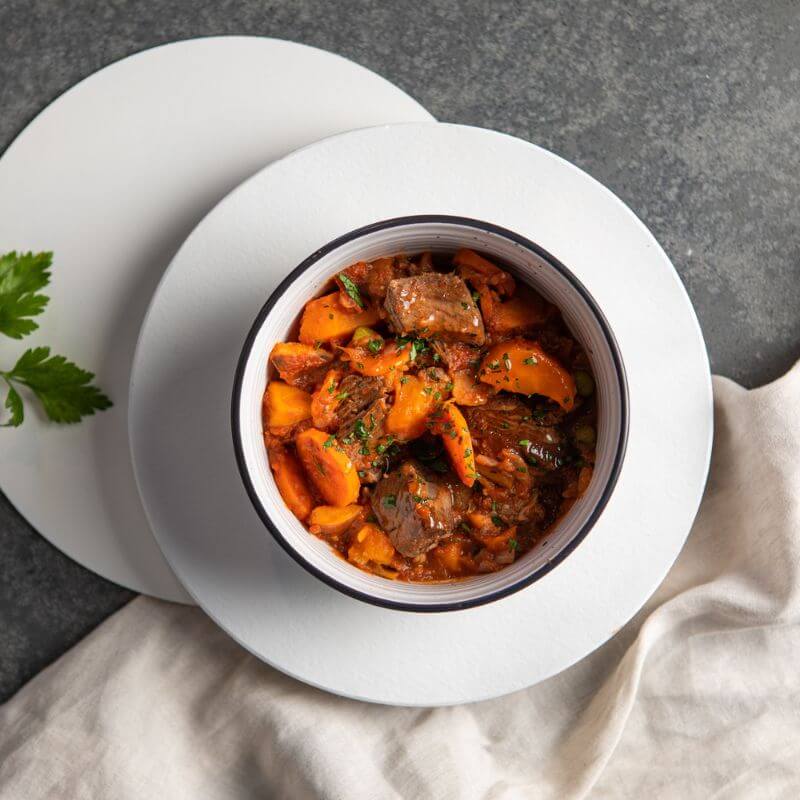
(697, 697)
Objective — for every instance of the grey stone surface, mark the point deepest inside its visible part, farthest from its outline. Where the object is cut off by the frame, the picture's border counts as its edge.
(689, 111)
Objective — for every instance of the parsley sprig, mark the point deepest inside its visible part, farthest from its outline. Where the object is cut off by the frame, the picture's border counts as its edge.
(65, 391)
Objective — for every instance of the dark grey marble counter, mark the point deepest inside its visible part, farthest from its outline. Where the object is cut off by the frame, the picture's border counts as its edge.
(688, 110)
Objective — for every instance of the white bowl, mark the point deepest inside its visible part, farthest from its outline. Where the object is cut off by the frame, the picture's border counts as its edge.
(438, 233)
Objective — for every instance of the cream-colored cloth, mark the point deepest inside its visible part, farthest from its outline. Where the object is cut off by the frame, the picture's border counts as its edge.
(698, 697)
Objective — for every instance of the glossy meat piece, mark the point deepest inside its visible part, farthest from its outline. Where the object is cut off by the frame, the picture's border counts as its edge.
(363, 441)
(434, 305)
(361, 393)
(301, 365)
(507, 423)
(415, 508)
(372, 278)
(457, 355)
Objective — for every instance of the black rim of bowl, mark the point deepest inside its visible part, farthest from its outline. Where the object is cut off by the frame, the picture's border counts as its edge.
(619, 455)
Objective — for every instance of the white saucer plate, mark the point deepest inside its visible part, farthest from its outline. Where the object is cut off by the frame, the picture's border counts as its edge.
(181, 398)
(112, 177)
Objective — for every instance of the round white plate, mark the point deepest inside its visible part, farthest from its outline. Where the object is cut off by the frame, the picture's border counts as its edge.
(181, 401)
(112, 177)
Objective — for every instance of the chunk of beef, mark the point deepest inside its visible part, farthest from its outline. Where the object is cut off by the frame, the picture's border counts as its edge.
(301, 365)
(372, 278)
(360, 393)
(415, 507)
(457, 355)
(434, 305)
(363, 441)
(505, 423)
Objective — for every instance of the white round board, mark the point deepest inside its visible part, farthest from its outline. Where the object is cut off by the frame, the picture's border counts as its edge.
(112, 177)
(181, 401)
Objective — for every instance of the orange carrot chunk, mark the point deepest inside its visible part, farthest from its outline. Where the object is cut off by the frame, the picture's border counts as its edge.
(371, 546)
(334, 521)
(416, 396)
(325, 320)
(522, 366)
(383, 358)
(328, 466)
(285, 405)
(325, 401)
(291, 482)
(449, 423)
(479, 271)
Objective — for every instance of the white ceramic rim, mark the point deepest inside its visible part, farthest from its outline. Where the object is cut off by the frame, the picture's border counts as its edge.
(412, 234)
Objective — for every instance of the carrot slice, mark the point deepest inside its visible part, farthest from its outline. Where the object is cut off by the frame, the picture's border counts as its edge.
(326, 400)
(390, 358)
(481, 272)
(333, 521)
(285, 405)
(371, 545)
(328, 467)
(416, 396)
(325, 320)
(291, 482)
(526, 309)
(449, 423)
(522, 366)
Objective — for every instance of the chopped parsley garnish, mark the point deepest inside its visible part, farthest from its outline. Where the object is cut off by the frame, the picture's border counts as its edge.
(404, 379)
(465, 306)
(360, 429)
(390, 500)
(531, 361)
(329, 441)
(513, 544)
(375, 345)
(524, 442)
(351, 289)
(342, 395)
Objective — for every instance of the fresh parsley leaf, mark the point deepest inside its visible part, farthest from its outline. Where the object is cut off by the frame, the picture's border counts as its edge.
(64, 389)
(375, 345)
(351, 289)
(21, 277)
(14, 405)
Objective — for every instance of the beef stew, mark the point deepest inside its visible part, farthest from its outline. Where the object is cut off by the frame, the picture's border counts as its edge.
(433, 419)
